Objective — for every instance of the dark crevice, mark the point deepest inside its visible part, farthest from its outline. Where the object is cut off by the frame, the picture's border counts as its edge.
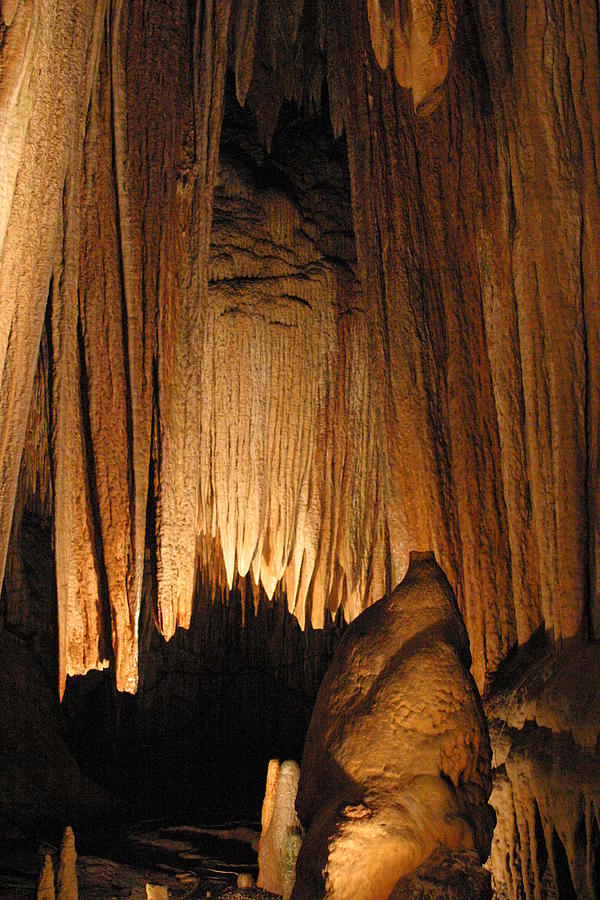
(93, 499)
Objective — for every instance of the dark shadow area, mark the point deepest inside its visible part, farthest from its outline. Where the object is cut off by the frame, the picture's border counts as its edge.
(566, 891)
(213, 706)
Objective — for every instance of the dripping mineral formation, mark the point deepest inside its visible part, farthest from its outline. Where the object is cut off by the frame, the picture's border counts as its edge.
(287, 291)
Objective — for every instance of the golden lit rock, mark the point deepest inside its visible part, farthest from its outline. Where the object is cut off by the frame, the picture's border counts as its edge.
(397, 759)
(278, 361)
(66, 877)
(45, 887)
(280, 837)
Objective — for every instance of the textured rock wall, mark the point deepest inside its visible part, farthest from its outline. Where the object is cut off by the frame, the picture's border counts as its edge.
(475, 231)
(450, 401)
(544, 728)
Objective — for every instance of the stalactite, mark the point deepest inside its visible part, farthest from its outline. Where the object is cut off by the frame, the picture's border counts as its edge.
(43, 46)
(445, 381)
(544, 731)
(181, 327)
(245, 22)
(488, 402)
(105, 385)
(418, 35)
(79, 591)
(291, 477)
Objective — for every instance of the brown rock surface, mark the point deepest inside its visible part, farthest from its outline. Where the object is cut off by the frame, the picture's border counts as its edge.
(456, 876)
(269, 365)
(397, 760)
(45, 888)
(544, 725)
(66, 877)
(280, 835)
(448, 398)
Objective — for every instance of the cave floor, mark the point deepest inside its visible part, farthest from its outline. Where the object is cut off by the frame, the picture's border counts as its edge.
(191, 861)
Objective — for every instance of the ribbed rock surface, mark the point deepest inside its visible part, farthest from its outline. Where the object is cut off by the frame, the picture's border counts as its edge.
(311, 426)
(545, 727)
(334, 369)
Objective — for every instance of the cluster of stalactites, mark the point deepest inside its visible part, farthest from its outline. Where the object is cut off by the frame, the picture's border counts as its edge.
(140, 357)
(284, 50)
(417, 35)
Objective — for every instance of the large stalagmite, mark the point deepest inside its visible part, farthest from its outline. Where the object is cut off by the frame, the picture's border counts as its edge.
(396, 762)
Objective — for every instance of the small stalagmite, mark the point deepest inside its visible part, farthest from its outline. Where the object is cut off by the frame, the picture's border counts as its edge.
(280, 839)
(396, 762)
(45, 888)
(67, 873)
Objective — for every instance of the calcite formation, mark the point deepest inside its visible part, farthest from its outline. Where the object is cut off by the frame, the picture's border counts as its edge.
(45, 887)
(396, 762)
(221, 364)
(66, 876)
(418, 35)
(280, 837)
(545, 728)
(438, 385)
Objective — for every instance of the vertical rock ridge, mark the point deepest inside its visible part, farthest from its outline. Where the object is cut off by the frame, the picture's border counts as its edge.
(181, 328)
(319, 410)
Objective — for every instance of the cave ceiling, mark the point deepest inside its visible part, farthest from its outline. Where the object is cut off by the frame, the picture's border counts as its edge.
(292, 347)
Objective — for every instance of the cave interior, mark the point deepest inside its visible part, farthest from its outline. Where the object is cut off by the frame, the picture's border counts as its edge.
(290, 289)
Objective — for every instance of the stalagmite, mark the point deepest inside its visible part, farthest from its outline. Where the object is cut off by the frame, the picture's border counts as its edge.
(45, 888)
(396, 762)
(66, 877)
(156, 892)
(269, 799)
(280, 837)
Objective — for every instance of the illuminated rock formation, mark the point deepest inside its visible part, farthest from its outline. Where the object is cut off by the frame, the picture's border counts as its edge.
(481, 448)
(45, 888)
(300, 367)
(66, 877)
(545, 727)
(396, 762)
(280, 836)
(418, 35)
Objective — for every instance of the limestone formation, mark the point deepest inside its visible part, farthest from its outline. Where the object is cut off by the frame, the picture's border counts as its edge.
(444, 876)
(396, 762)
(66, 877)
(418, 35)
(247, 357)
(280, 838)
(388, 429)
(545, 730)
(268, 805)
(45, 888)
